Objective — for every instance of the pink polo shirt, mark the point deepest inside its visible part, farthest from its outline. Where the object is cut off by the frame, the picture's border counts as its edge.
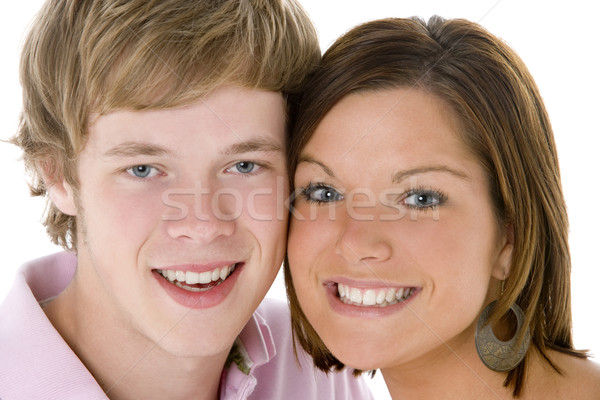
(36, 363)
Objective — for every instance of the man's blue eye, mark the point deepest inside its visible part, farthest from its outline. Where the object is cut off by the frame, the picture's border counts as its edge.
(141, 171)
(245, 167)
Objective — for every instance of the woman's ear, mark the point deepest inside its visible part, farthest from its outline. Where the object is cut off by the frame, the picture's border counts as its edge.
(60, 191)
(502, 266)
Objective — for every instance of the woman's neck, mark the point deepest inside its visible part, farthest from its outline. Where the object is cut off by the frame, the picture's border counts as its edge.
(453, 371)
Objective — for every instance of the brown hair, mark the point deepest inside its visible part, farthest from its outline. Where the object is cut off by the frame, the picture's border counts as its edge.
(87, 56)
(504, 123)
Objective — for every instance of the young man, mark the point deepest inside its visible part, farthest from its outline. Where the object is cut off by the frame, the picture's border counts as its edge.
(157, 130)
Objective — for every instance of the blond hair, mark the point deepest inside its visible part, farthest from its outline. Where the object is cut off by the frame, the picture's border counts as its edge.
(87, 56)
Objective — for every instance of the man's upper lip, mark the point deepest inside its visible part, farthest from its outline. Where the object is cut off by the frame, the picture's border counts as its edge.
(197, 267)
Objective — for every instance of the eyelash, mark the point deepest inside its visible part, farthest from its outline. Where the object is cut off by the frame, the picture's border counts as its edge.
(129, 170)
(258, 167)
(439, 197)
(311, 188)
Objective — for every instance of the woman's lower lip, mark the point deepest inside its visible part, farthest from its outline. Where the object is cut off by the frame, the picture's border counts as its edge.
(198, 300)
(351, 310)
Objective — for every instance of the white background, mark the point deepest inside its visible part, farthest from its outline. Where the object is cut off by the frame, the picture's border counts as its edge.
(556, 39)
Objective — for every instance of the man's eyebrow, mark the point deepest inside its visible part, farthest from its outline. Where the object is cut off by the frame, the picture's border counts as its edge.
(401, 175)
(131, 149)
(249, 146)
(308, 159)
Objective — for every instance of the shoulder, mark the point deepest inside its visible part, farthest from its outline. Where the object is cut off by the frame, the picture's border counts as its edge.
(49, 275)
(36, 362)
(273, 309)
(295, 377)
(579, 377)
(273, 317)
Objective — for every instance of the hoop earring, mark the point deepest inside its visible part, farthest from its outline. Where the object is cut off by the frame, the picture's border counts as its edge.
(497, 355)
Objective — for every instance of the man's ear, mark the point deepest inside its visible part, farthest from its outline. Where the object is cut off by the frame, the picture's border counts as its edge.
(503, 263)
(60, 191)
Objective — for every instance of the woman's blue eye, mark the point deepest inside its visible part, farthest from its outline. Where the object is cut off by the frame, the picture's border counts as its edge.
(245, 167)
(321, 194)
(423, 199)
(142, 171)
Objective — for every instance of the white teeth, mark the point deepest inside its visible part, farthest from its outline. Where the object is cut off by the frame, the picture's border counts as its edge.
(390, 295)
(180, 276)
(205, 277)
(373, 297)
(369, 298)
(355, 295)
(214, 276)
(171, 275)
(399, 294)
(192, 278)
(225, 272)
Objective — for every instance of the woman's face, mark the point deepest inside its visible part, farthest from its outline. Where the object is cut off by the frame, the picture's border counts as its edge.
(394, 241)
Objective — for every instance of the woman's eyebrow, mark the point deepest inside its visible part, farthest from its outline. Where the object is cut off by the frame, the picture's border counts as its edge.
(399, 176)
(308, 159)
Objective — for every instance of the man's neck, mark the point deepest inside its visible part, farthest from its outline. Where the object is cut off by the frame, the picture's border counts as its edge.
(126, 364)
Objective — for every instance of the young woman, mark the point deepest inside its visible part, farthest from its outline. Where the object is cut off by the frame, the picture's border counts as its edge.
(429, 229)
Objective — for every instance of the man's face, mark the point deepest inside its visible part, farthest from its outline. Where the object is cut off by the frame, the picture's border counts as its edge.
(181, 217)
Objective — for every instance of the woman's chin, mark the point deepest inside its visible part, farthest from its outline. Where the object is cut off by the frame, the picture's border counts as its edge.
(360, 358)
